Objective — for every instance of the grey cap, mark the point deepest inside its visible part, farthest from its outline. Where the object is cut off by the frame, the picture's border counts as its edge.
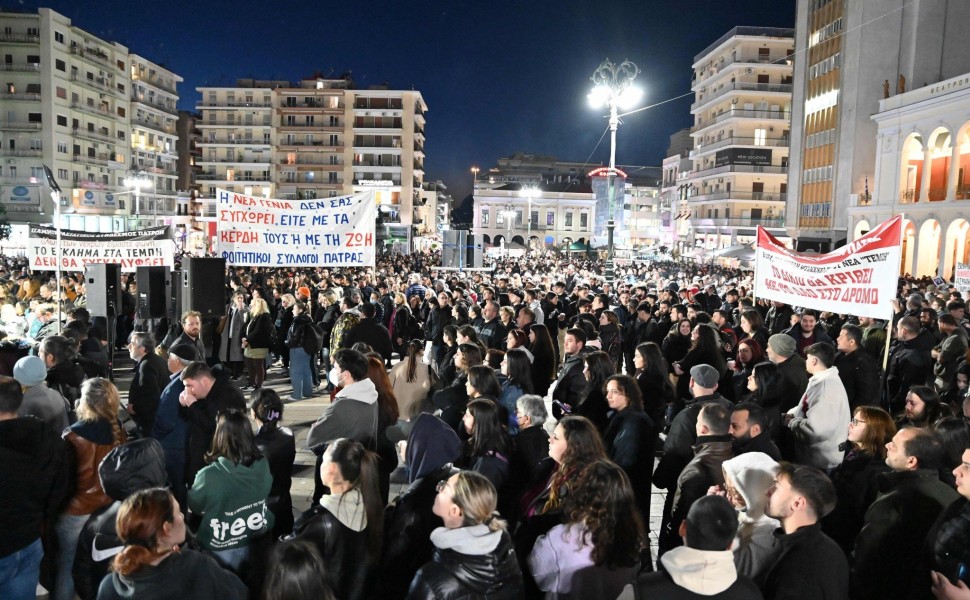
(705, 376)
(782, 344)
(30, 371)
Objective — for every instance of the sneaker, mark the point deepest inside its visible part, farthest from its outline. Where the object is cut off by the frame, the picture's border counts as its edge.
(287, 399)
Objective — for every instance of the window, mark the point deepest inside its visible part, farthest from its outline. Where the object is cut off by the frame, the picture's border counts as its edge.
(333, 159)
(61, 93)
(33, 59)
(485, 218)
(500, 217)
(334, 140)
(58, 37)
(334, 122)
(62, 174)
(333, 177)
(37, 172)
(569, 218)
(121, 112)
(34, 117)
(62, 120)
(60, 65)
(291, 119)
(34, 145)
(550, 218)
(583, 220)
(760, 137)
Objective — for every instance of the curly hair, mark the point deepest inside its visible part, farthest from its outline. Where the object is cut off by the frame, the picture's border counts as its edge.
(100, 400)
(583, 446)
(603, 504)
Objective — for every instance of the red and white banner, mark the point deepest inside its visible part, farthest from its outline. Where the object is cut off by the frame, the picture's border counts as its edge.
(859, 278)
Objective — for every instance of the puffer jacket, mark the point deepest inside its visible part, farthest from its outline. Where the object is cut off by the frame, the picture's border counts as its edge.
(91, 440)
(469, 562)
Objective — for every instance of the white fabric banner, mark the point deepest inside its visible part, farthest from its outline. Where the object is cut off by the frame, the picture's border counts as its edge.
(323, 232)
(152, 247)
(858, 279)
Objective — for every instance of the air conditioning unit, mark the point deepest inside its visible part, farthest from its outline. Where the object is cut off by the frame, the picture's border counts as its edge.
(749, 70)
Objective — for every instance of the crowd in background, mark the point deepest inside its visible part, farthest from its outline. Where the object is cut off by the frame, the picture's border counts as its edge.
(526, 412)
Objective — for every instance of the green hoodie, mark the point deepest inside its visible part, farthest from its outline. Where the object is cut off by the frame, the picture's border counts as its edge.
(231, 498)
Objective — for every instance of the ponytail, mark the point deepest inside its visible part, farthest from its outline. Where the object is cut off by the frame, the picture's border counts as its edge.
(140, 520)
(358, 466)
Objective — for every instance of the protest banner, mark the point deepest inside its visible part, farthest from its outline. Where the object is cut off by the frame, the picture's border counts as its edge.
(323, 232)
(961, 277)
(859, 278)
(152, 247)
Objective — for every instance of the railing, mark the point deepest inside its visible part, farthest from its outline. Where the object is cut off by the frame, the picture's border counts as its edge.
(782, 142)
(92, 109)
(156, 82)
(234, 142)
(153, 125)
(233, 124)
(749, 31)
(234, 105)
(172, 110)
(28, 125)
(737, 169)
(102, 160)
(223, 177)
(371, 163)
(741, 114)
(26, 153)
(14, 96)
(739, 222)
(19, 38)
(243, 160)
(98, 83)
(745, 87)
(19, 68)
(740, 195)
(93, 55)
(389, 104)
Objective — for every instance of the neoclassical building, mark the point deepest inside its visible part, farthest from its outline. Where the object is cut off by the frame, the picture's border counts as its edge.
(922, 164)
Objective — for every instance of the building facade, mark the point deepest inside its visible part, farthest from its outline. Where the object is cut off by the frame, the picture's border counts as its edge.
(89, 110)
(742, 111)
(850, 55)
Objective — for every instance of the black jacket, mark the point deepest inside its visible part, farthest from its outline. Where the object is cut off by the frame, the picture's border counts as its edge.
(855, 487)
(201, 417)
(490, 333)
(652, 586)
(571, 383)
(187, 575)
(437, 321)
(908, 365)
(631, 441)
(809, 566)
(36, 476)
(66, 378)
(759, 443)
(372, 333)
(452, 575)
(260, 331)
(151, 377)
(594, 407)
(678, 447)
(859, 373)
(793, 379)
(279, 447)
(351, 565)
(452, 401)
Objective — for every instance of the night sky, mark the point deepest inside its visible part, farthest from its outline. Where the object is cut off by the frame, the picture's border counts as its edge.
(498, 77)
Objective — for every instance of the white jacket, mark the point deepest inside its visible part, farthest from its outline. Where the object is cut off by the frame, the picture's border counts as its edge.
(824, 423)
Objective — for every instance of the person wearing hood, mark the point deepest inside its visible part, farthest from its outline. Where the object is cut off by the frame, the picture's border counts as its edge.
(208, 391)
(63, 374)
(704, 566)
(153, 563)
(747, 479)
(431, 449)
(137, 465)
(817, 423)
(346, 525)
(35, 469)
(473, 555)
(39, 400)
(229, 494)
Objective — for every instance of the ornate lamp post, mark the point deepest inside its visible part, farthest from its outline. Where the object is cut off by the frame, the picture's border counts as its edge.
(613, 87)
(529, 192)
(137, 180)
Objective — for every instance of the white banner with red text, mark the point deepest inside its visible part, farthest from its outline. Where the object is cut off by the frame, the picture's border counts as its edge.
(151, 247)
(858, 279)
(322, 232)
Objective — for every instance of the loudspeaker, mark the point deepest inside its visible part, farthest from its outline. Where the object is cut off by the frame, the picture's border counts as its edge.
(154, 292)
(102, 285)
(204, 286)
(175, 296)
(474, 246)
(454, 244)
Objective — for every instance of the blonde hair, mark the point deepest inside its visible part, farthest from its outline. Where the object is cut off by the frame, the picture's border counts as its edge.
(329, 295)
(100, 400)
(476, 497)
(399, 298)
(507, 310)
(289, 298)
(258, 307)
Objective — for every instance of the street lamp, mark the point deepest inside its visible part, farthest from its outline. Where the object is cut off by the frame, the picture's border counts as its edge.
(509, 215)
(529, 192)
(613, 87)
(137, 180)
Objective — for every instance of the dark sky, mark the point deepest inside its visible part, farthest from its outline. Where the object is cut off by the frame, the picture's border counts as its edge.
(498, 77)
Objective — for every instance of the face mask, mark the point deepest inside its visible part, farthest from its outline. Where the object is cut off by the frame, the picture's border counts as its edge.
(333, 376)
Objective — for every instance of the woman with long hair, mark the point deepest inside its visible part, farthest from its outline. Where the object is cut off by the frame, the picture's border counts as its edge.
(257, 341)
(596, 551)
(763, 383)
(296, 571)
(411, 381)
(631, 437)
(387, 415)
(543, 358)
(446, 366)
(677, 342)
(516, 338)
(610, 338)
(96, 432)
(451, 400)
(753, 328)
(518, 381)
(749, 353)
(279, 447)
(705, 349)
(460, 313)
(403, 325)
(474, 556)
(955, 435)
(506, 316)
(301, 362)
(347, 524)
(153, 563)
(597, 368)
(870, 430)
(236, 481)
(488, 447)
(652, 373)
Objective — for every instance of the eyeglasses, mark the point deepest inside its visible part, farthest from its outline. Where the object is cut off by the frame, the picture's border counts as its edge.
(857, 422)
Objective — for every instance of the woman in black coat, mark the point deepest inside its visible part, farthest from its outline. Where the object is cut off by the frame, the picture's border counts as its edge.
(279, 447)
(870, 430)
(257, 341)
(597, 368)
(654, 381)
(677, 342)
(704, 350)
(446, 368)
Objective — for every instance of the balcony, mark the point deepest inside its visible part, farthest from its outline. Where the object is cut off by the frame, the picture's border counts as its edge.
(140, 98)
(242, 160)
(224, 123)
(23, 97)
(94, 135)
(100, 84)
(774, 115)
(737, 169)
(245, 142)
(236, 178)
(770, 222)
(322, 127)
(94, 55)
(740, 195)
(217, 105)
(379, 103)
(102, 160)
(94, 110)
(21, 125)
(783, 88)
(158, 82)
(20, 68)
(700, 148)
(19, 38)
(169, 128)
(24, 153)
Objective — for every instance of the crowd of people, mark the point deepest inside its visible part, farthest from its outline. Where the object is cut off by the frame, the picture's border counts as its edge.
(526, 414)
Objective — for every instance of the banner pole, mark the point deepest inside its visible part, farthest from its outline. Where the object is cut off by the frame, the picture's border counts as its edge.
(757, 244)
(899, 268)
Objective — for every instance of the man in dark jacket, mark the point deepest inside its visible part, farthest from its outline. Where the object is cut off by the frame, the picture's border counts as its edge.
(571, 383)
(63, 374)
(170, 427)
(886, 560)
(858, 371)
(370, 332)
(778, 319)
(151, 377)
(793, 378)
(908, 365)
(490, 332)
(36, 474)
(438, 319)
(808, 331)
(713, 447)
(809, 564)
(207, 391)
(749, 430)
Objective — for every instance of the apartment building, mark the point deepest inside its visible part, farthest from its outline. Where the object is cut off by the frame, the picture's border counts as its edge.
(742, 111)
(850, 57)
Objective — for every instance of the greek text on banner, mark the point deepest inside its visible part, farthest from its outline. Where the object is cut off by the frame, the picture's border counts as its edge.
(152, 247)
(858, 279)
(322, 232)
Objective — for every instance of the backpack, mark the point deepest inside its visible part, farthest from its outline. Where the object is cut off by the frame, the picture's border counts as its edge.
(312, 338)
